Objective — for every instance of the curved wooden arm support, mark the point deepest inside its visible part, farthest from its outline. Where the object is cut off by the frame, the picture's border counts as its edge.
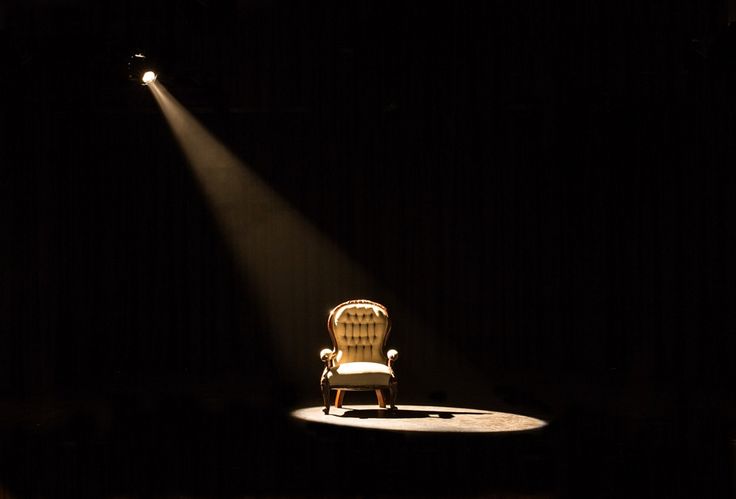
(392, 356)
(329, 357)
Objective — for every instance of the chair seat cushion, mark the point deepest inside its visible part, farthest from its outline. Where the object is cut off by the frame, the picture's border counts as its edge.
(358, 374)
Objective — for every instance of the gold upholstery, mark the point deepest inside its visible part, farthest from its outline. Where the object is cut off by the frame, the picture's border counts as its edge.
(359, 330)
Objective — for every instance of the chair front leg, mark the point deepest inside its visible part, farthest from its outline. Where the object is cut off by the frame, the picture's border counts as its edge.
(326, 395)
(393, 391)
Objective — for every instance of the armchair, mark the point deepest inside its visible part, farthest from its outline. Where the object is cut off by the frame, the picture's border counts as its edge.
(357, 362)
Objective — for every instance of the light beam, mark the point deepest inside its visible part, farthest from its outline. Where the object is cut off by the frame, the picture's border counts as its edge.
(298, 273)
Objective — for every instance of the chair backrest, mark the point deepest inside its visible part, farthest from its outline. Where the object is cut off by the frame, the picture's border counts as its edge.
(359, 329)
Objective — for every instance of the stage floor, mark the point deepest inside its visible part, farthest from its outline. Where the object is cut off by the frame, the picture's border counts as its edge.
(421, 418)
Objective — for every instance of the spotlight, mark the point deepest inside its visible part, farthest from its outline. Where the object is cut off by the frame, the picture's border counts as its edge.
(148, 77)
(140, 70)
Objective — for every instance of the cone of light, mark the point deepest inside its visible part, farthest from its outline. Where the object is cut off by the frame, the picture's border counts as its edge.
(297, 273)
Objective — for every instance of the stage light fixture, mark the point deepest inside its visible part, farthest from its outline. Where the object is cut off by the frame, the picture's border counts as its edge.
(140, 69)
(148, 77)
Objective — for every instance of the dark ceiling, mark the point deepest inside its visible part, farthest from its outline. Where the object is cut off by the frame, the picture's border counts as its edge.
(283, 55)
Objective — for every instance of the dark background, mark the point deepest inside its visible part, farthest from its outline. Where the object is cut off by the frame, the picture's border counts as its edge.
(548, 186)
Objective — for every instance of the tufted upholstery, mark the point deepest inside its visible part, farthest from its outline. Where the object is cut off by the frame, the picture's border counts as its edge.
(359, 330)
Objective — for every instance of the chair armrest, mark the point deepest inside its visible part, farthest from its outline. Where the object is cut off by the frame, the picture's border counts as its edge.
(327, 355)
(392, 356)
(331, 358)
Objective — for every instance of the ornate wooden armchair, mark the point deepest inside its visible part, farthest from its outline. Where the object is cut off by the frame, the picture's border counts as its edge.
(359, 330)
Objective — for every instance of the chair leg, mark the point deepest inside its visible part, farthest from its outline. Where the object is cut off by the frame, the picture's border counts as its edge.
(393, 389)
(326, 396)
(338, 398)
(381, 399)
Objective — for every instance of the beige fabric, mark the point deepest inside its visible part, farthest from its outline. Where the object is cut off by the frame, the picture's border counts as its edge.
(359, 374)
(360, 330)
